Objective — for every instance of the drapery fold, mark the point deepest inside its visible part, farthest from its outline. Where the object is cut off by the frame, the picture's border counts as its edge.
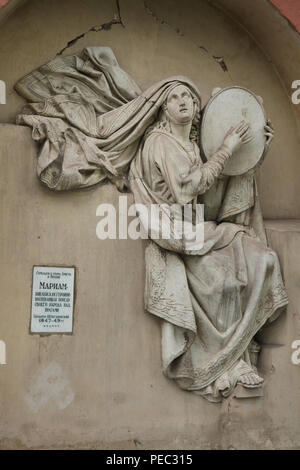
(89, 116)
(90, 119)
(215, 299)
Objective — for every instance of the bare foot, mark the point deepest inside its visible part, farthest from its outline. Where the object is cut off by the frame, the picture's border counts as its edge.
(250, 380)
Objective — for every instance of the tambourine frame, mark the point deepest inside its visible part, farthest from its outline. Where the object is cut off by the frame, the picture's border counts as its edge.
(203, 115)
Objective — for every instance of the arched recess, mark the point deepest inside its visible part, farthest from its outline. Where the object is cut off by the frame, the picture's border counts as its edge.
(274, 34)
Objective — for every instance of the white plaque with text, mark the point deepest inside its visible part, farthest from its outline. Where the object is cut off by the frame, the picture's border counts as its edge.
(52, 300)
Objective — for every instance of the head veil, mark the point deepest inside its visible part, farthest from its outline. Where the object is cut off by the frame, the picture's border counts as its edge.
(89, 116)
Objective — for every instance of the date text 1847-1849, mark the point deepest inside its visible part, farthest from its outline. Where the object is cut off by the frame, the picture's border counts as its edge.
(52, 299)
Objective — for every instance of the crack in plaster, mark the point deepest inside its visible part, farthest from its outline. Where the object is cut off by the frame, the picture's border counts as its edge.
(220, 60)
(117, 19)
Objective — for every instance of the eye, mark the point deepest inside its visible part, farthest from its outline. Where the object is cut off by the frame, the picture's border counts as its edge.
(172, 97)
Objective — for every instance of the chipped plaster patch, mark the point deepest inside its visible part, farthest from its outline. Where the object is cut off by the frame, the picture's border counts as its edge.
(49, 385)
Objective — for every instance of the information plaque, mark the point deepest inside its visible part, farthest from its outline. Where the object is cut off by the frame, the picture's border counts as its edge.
(52, 300)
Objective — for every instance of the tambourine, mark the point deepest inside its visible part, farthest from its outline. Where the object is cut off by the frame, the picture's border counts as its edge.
(226, 109)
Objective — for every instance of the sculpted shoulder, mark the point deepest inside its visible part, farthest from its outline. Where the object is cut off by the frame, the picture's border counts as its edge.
(159, 140)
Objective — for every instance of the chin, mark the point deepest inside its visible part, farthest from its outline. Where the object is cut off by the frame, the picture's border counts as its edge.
(184, 119)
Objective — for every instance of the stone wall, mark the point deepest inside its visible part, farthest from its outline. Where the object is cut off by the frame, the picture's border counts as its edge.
(102, 386)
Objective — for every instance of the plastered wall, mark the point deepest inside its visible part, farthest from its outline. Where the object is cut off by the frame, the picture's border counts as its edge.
(102, 387)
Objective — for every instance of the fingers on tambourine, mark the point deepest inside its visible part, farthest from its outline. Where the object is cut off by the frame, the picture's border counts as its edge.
(269, 136)
(245, 141)
(269, 128)
(246, 136)
(239, 126)
(244, 130)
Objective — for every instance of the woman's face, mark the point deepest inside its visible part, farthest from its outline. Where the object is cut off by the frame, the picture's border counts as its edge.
(180, 105)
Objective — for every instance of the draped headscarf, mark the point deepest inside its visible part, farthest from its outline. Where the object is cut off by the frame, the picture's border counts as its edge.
(89, 115)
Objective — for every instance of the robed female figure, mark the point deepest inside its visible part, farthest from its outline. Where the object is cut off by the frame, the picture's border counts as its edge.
(94, 124)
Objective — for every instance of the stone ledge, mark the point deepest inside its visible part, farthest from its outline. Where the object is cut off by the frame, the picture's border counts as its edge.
(284, 237)
(281, 225)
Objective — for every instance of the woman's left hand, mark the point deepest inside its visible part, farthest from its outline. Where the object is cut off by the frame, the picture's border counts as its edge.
(269, 133)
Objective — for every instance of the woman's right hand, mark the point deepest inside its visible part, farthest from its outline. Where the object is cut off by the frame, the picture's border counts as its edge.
(237, 136)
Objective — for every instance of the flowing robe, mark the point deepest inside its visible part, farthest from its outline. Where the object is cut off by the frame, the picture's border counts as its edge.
(90, 118)
(214, 300)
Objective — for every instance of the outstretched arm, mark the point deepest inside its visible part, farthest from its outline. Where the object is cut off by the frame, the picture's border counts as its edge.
(234, 139)
(186, 181)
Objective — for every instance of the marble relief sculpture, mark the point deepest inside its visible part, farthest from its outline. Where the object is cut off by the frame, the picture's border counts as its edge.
(94, 124)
